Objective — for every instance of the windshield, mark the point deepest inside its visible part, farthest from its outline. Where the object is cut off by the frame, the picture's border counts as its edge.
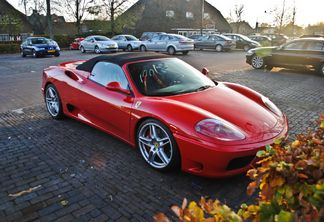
(101, 38)
(167, 77)
(131, 38)
(39, 41)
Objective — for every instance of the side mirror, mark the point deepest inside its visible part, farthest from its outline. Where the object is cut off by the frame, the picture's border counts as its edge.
(205, 71)
(116, 87)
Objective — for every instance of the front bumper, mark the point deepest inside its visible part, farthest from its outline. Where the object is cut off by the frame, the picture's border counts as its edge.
(212, 160)
(108, 49)
(47, 52)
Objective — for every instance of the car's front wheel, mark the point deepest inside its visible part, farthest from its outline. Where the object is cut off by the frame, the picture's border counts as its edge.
(129, 48)
(171, 50)
(53, 102)
(219, 48)
(157, 145)
(35, 54)
(57, 54)
(257, 62)
(22, 53)
(82, 49)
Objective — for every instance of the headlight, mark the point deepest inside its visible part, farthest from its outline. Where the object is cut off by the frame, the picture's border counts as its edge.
(219, 129)
(273, 108)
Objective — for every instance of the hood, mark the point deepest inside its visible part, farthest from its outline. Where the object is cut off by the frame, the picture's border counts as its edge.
(252, 118)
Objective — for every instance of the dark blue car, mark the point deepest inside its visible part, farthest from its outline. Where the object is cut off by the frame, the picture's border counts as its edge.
(39, 46)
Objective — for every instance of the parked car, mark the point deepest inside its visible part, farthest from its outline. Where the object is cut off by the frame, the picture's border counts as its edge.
(127, 42)
(277, 39)
(215, 41)
(149, 35)
(39, 46)
(312, 36)
(98, 44)
(297, 53)
(242, 41)
(170, 43)
(262, 39)
(75, 45)
(196, 37)
(174, 114)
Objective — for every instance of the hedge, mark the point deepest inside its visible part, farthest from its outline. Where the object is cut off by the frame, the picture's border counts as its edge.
(9, 48)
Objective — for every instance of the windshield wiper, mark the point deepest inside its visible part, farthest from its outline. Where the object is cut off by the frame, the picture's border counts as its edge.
(203, 88)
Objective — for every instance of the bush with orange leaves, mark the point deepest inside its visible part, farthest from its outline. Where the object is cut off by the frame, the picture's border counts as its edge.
(289, 177)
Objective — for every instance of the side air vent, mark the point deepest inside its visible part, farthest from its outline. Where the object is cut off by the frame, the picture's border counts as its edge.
(72, 75)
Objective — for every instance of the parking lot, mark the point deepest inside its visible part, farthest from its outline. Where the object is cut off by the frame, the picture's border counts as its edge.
(77, 173)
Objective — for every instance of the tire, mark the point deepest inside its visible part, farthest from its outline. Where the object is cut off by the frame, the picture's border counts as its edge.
(53, 102)
(157, 145)
(171, 50)
(143, 48)
(321, 69)
(34, 53)
(82, 49)
(219, 48)
(22, 53)
(268, 67)
(246, 48)
(129, 48)
(97, 50)
(257, 62)
(185, 52)
(57, 54)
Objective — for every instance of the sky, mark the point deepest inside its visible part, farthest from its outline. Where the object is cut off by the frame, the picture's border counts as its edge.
(307, 11)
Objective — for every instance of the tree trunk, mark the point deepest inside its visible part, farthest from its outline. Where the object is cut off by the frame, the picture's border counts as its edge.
(49, 18)
(112, 17)
(78, 19)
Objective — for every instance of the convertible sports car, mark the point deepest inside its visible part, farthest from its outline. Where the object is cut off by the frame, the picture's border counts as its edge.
(173, 113)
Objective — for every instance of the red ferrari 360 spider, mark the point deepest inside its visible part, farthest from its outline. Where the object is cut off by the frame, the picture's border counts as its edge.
(173, 113)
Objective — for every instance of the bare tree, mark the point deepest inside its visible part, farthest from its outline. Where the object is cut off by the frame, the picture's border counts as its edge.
(25, 4)
(115, 8)
(79, 9)
(236, 16)
(281, 16)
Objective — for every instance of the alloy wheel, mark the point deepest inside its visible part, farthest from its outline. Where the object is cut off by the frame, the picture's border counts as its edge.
(143, 48)
(171, 50)
(219, 48)
(52, 101)
(129, 48)
(257, 62)
(97, 50)
(155, 145)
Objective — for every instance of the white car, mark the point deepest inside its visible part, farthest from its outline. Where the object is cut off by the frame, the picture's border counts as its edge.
(98, 44)
(127, 42)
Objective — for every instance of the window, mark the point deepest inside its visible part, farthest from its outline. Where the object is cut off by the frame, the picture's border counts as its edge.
(105, 72)
(315, 46)
(164, 38)
(169, 13)
(189, 15)
(298, 45)
(206, 16)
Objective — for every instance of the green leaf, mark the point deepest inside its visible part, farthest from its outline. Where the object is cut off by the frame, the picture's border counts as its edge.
(261, 153)
(284, 216)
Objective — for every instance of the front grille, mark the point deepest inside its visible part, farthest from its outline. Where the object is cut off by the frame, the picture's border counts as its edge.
(240, 162)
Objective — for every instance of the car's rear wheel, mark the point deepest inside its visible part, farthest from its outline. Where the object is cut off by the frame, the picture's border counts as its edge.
(269, 67)
(171, 50)
(143, 48)
(185, 52)
(257, 62)
(246, 48)
(129, 48)
(57, 54)
(97, 50)
(82, 49)
(53, 102)
(157, 145)
(219, 48)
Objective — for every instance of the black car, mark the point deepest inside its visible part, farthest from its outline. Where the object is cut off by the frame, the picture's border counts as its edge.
(307, 52)
(39, 46)
(242, 41)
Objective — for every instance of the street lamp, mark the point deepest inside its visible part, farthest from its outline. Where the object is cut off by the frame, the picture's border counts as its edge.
(202, 16)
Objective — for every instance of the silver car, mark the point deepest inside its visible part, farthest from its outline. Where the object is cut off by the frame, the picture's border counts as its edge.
(127, 42)
(98, 44)
(218, 42)
(170, 43)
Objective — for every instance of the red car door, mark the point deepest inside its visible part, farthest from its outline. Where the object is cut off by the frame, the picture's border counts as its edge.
(109, 110)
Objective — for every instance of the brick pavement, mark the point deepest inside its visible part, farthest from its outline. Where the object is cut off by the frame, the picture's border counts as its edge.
(82, 174)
